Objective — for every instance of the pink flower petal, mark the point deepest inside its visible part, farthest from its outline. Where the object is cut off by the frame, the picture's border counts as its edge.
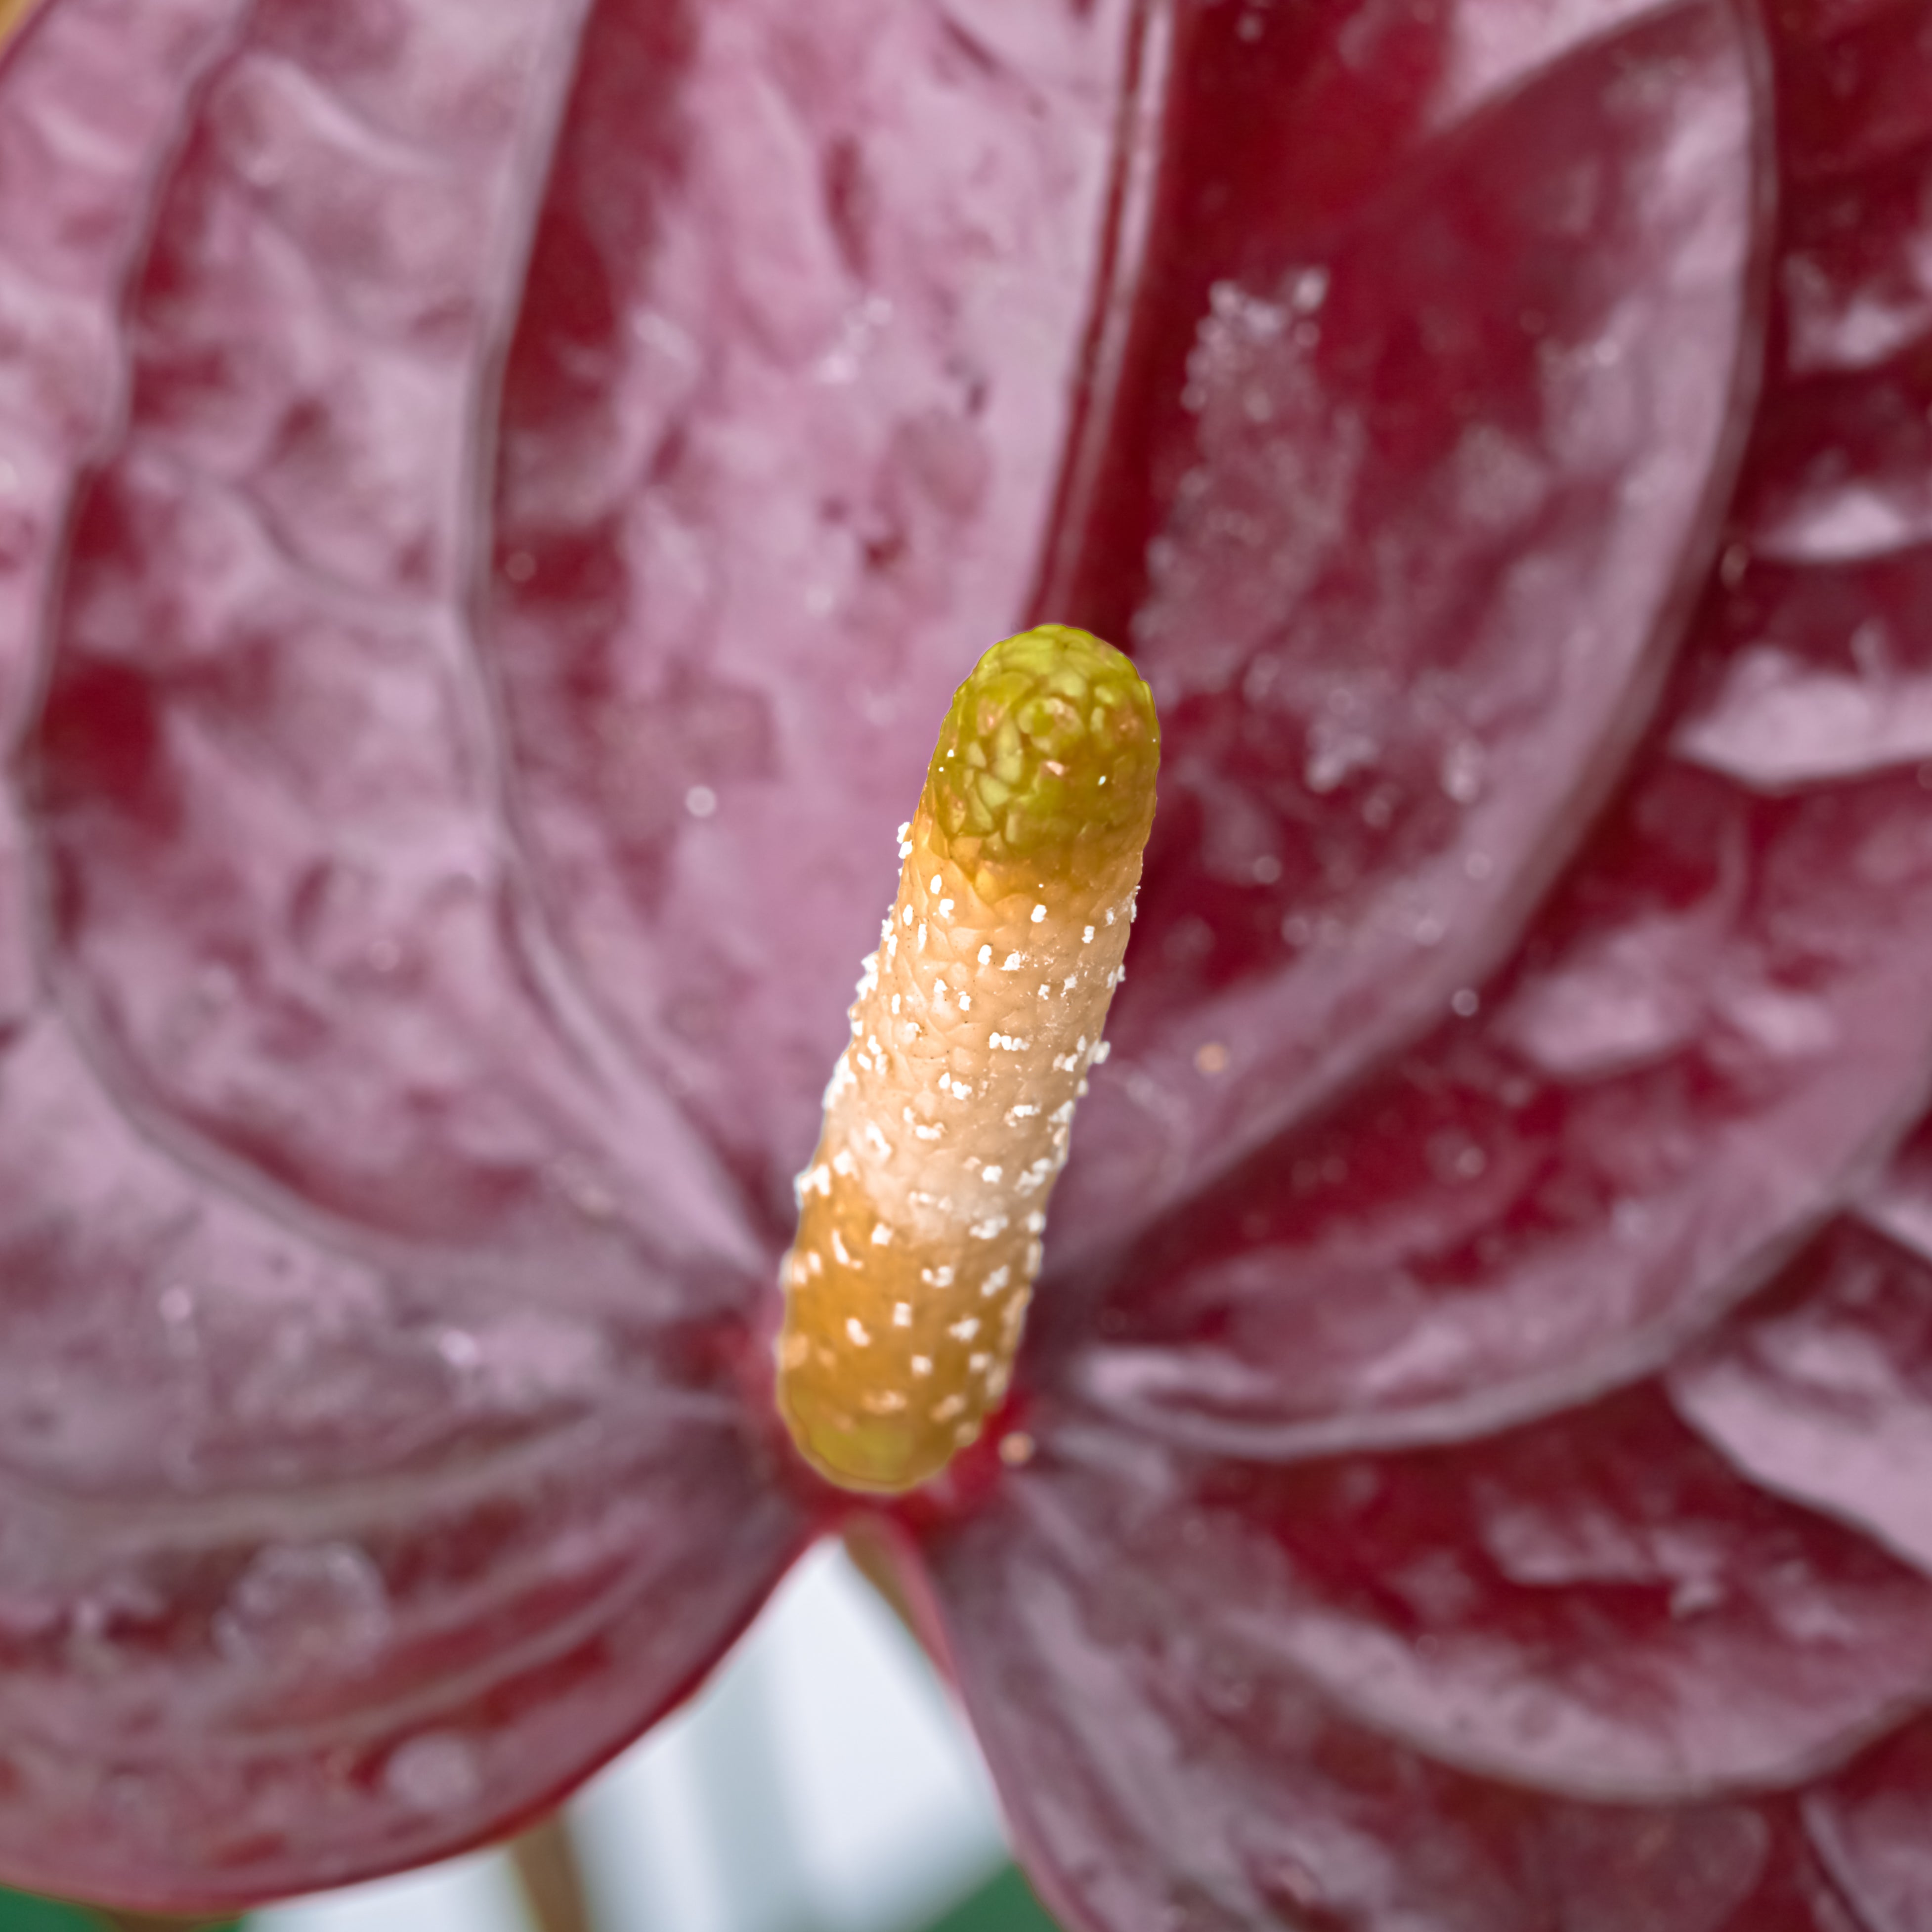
(1167, 1764)
(262, 1664)
(455, 827)
(282, 893)
(783, 415)
(1425, 477)
(1870, 1826)
(1722, 1017)
(1599, 1606)
(319, 1552)
(90, 98)
(1719, 1018)
(1852, 81)
(1856, 277)
(1822, 1389)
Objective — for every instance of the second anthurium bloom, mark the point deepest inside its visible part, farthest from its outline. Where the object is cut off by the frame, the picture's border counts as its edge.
(493, 500)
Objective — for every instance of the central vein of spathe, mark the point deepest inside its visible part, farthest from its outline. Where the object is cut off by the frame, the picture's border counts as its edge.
(947, 1118)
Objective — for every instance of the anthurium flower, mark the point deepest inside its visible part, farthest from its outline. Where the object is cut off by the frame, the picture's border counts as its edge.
(494, 495)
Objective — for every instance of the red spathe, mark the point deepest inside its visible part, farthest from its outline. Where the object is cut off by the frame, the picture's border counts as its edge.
(493, 500)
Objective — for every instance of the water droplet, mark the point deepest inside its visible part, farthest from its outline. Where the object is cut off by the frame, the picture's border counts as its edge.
(175, 1305)
(1334, 752)
(1308, 289)
(1694, 1595)
(1226, 1688)
(459, 1347)
(526, 1361)
(1461, 771)
(1243, 314)
(1453, 1156)
(700, 801)
(305, 1604)
(585, 1190)
(437, 1771)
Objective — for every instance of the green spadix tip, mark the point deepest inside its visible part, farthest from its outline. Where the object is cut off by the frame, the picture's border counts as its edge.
(1048, 758)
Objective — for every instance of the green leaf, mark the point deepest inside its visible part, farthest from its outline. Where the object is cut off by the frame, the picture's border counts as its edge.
(1005, 1903)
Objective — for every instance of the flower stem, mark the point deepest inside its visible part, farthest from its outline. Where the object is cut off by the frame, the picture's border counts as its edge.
(545, 1858)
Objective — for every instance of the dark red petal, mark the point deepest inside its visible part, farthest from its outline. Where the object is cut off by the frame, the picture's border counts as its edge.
(1855, 96)
(1822, 1389)
(1856, 277)
(1842, 462)
(317, 1555)
(782, 419)
(1719, 1018)
(1869, 1826)
(1167, 1764)
(247, 1671)
(1426, 462)
(281, 892)
(1599, 1605)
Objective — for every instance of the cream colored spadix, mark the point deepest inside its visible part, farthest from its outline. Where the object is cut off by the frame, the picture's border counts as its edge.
(947, 1118)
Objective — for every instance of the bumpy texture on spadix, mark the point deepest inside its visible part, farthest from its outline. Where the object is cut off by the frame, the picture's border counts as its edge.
(947, 1118)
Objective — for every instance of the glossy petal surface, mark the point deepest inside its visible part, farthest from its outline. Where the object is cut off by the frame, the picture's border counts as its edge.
(493, 498)
(368, 1471)
(1420, 463)
(1870, 1826)
(280, 889)
(1713, 1023)
(1127, 1638)
(780, 426)
(1822, 1388)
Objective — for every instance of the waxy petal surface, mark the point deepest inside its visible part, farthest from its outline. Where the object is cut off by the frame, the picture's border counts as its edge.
(1710, 1032)
(495, 496)
(1599, 1605)
(1725, 1016)
(1869, 1829)
(1822, 1388)
(1409, 478)
(781, 427)
(1169, 1760)
(323, 1548)
(281, 891)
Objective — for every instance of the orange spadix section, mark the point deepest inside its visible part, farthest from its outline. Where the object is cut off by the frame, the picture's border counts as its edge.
(947, 1118)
